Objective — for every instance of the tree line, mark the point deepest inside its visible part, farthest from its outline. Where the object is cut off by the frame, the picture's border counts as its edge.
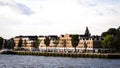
(111, 39)
(6, 44)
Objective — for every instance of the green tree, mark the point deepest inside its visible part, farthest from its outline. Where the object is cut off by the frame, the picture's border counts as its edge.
(64, 44)
(20, 43)
(46, 42)
(108, 42)
(87, 33)
(116, 37)
(11, 43)
(1, 42)
(75, 41)
(55, 42)
(5, 44)
(36, 43)
(117, 40)
(85, 45)
(25, 43)
(111, 31)
(104, 34)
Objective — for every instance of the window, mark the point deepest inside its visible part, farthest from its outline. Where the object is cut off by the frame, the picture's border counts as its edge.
(62, 35)
(70, 35)
(81, 42)
(88, 42)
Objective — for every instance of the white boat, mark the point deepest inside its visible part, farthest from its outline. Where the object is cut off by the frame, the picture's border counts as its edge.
(4, 50)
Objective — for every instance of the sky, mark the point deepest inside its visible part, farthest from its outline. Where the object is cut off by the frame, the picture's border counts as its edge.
(55, 17)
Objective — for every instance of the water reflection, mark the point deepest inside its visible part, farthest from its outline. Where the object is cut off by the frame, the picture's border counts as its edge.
(17, 61)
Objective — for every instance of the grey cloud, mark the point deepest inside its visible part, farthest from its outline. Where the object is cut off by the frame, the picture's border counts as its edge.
(19, 6)
(108, 11)
(87, 3)
(25, 10)
(101, 8)
(115, 11)
(100, 13)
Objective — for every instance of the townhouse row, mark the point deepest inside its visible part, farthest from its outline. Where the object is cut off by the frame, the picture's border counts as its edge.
(93, 42)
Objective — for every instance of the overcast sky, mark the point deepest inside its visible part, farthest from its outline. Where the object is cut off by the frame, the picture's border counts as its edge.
(55, 17)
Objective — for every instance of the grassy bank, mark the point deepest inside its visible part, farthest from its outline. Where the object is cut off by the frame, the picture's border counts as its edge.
(82, 55)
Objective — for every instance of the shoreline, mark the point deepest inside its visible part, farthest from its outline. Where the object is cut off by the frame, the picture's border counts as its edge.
(74, 55)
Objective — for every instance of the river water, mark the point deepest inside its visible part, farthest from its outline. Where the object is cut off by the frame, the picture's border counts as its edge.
(18, 61)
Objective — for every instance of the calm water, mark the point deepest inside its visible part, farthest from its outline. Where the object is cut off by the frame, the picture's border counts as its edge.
(17, 61)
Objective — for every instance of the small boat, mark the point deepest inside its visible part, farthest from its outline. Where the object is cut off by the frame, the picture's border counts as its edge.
(4, 50)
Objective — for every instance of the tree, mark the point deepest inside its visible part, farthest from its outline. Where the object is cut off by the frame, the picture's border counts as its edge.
(12, 43)
(116, 38)
(108, 42)
(5, 44)
(104, 34)
(36, 43)
(25, 43)
(1, 42)
(85, 45)
(111, 31)
(46, 42)
(75, 41)
(64, 44)
(20, 43)
(9, 44)
(87, 33)
(55, 42)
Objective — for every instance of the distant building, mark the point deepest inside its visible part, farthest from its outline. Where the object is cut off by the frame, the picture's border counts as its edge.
(52, 38)
(93, 42)
(66, 37)
(29, 40)
(41, 38)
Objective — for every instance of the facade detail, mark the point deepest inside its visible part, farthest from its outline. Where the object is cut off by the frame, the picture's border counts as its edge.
(93, 42)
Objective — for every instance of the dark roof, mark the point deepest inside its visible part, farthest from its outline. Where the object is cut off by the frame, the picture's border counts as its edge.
(83, 35)
(95, 36)
(53, 36)
(41, 36)
(30, 37)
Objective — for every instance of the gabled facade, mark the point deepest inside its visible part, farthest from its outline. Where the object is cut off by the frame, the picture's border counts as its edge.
(66, 37)
(93, 42)
(28, 39)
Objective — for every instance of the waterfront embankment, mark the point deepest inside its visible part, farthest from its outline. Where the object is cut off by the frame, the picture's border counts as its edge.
(76, 55)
